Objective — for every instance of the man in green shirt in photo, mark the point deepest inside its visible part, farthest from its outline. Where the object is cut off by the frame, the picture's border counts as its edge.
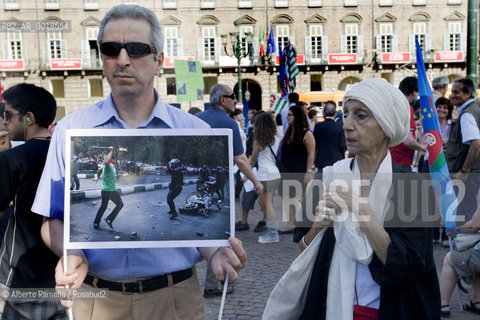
(109, 191)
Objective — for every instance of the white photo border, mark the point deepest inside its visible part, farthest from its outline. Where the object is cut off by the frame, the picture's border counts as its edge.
(142, 133)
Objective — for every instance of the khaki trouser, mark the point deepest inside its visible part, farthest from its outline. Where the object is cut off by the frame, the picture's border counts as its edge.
(183, 301)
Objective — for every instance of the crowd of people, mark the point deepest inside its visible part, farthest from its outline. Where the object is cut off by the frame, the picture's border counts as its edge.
(354, 262)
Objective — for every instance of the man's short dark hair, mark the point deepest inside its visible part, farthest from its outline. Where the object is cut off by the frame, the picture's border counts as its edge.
(293, 97)
(467, 85)
(25, 97)
(329, 110)
(408, 85)
(194, 110)
(332, 103)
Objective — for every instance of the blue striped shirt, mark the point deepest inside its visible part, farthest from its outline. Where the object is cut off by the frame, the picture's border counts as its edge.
(113, 264)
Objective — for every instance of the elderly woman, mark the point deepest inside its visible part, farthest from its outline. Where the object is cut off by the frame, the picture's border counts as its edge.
(364, 266)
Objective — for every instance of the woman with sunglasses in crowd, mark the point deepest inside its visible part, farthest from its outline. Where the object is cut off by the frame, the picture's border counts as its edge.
(297, 154)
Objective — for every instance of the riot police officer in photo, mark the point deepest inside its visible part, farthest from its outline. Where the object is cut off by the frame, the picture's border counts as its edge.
(176, 184)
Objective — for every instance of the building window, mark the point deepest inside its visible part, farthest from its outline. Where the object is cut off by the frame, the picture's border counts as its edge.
(283, 33)
(454, 36)
(12, 5)
(55, 45)
(171, 41)
(207, 4)
(418, 2)
(454, 1)
(169, 4)
(314, 3)
(209, 83)
(90, 52)
(350, 3)
(208, 38)
(316, 82)
(351, 33)
(13, 46)
(52, 4)
(171, 86)
(385, 38)
(281, 3)
(95, 87)
(57, 88)
(245, 4)
(90, 4)
(316, 42)
(420, 33)
(386, 2)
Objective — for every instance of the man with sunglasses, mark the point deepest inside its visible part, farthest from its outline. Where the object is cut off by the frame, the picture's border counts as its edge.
(222, 103)
(25, 262)
(147, 283)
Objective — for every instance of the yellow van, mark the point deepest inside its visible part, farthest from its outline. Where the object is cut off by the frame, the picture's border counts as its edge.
(318, 100)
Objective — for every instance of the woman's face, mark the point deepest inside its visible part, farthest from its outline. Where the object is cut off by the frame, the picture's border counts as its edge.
(442, 111)
(290, 118)
(362, 132)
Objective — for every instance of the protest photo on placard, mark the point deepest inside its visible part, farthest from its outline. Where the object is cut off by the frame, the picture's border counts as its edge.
(148, 188)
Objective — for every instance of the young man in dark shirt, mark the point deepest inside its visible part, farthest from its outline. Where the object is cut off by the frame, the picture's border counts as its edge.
(26, 262)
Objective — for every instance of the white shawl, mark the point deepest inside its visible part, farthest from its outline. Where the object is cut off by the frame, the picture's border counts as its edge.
(351, 242)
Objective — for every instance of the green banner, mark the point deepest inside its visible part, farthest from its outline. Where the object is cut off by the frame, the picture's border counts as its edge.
(189, 80)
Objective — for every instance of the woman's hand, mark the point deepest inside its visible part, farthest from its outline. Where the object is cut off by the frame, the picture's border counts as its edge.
(324, 215)
(346, 200)
(307, 177)
(323, 218)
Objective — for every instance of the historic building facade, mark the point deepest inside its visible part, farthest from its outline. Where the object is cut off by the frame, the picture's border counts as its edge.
(338, 42)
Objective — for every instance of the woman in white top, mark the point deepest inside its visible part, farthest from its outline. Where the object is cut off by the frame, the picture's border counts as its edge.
(264, 146)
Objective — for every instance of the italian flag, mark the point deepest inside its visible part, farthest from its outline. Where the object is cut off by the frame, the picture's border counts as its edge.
(260, 39)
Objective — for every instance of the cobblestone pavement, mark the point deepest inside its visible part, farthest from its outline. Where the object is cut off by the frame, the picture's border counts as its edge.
(266, 264)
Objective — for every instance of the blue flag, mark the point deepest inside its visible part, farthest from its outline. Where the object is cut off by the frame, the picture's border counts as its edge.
(283, 74)
(271, 42)
(442, 185)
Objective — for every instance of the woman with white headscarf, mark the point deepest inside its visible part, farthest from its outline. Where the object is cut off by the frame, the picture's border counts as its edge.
(369, 264)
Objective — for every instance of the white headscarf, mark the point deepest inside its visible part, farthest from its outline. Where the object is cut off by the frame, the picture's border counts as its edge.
(388, 105)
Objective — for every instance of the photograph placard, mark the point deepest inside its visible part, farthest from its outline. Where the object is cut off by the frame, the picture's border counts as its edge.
(130, 188)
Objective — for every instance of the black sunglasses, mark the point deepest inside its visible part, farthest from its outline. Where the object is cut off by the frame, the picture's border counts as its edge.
(232, 96)
(134, 49)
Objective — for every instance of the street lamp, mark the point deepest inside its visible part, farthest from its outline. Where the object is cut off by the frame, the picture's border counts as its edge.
(239, 52)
